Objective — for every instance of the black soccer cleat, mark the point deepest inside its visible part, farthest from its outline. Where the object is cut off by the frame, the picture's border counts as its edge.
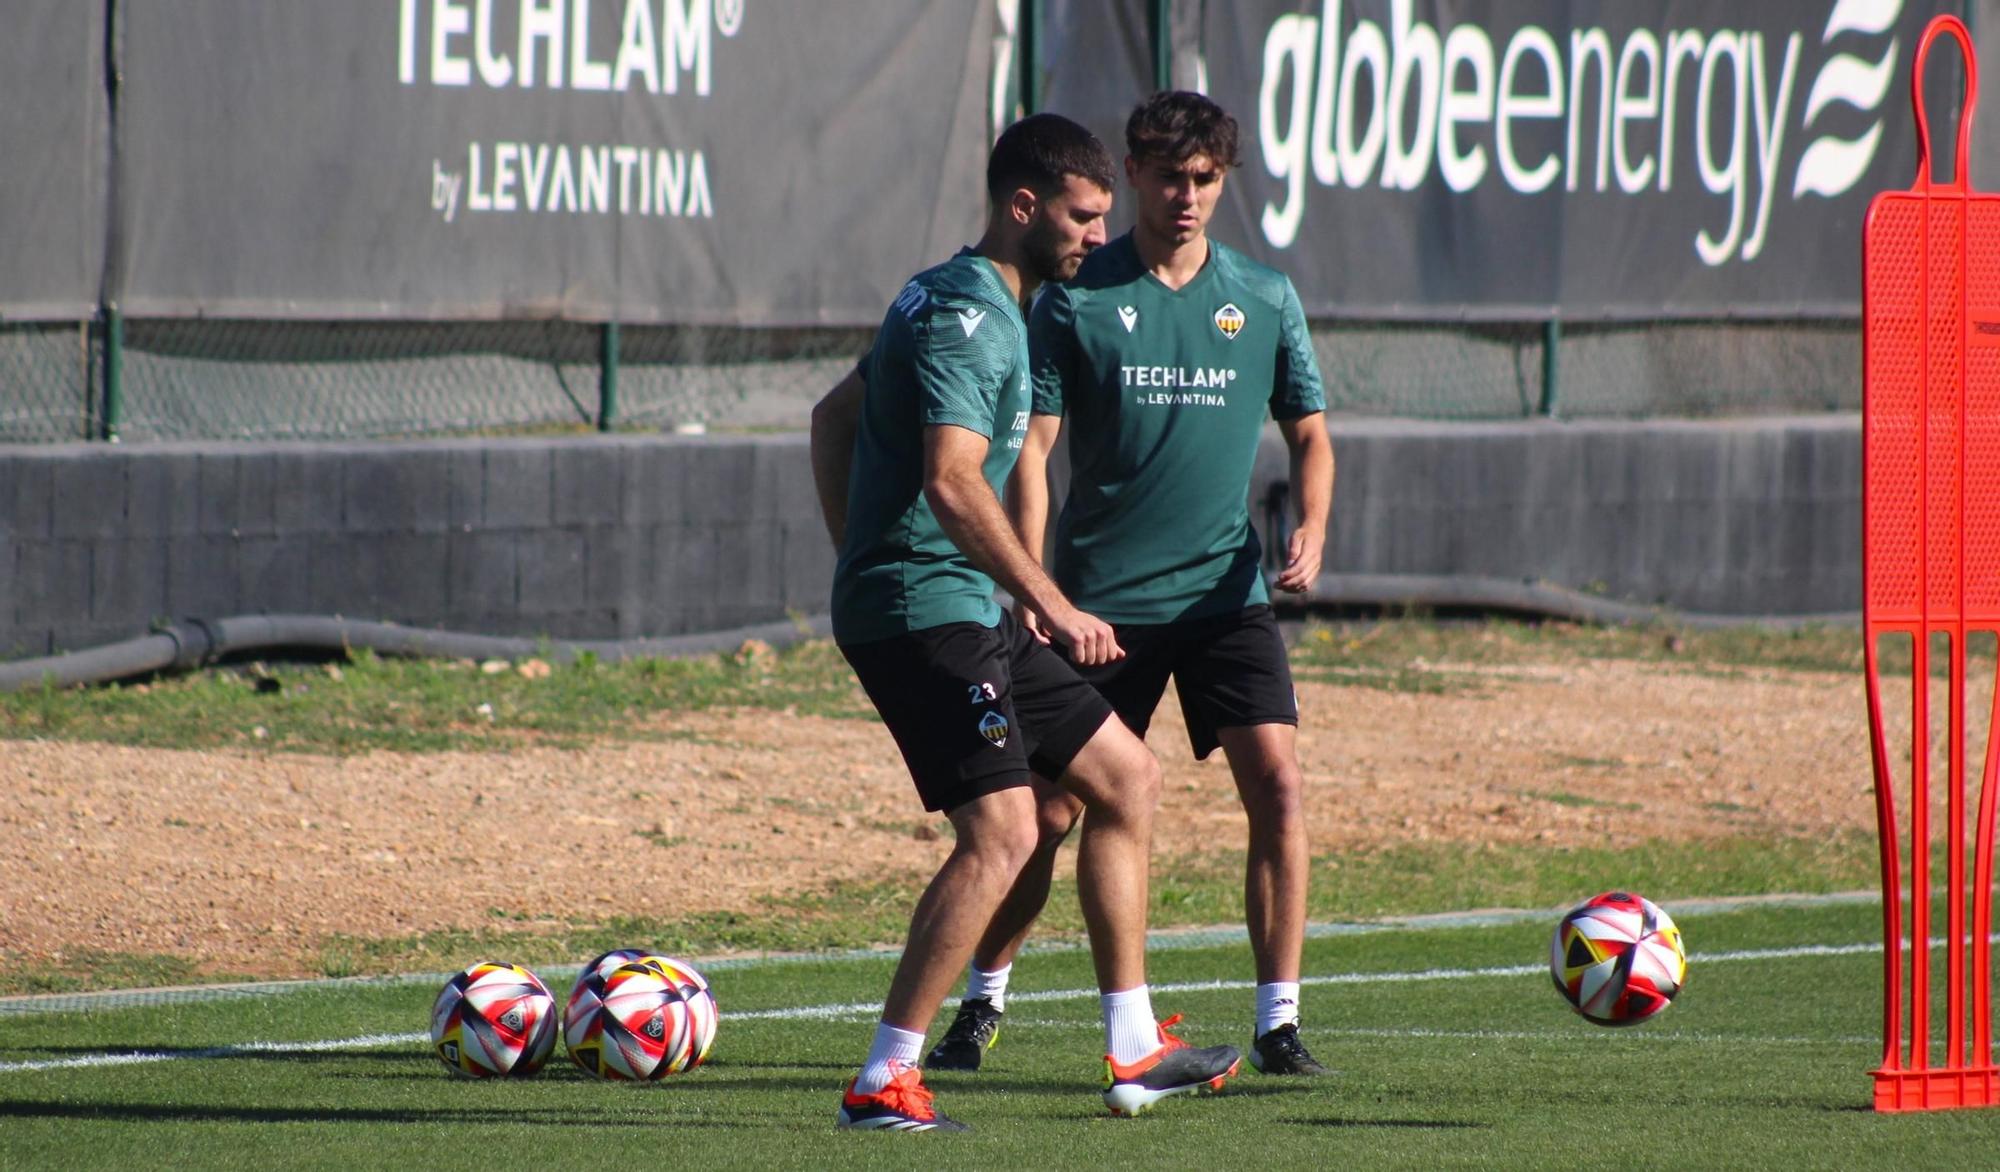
(973, 1032)
(1176, 1068)
(1281, 1052)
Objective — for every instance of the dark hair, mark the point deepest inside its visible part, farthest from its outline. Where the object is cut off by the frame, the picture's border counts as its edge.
(1039, 150)
(1176, 125)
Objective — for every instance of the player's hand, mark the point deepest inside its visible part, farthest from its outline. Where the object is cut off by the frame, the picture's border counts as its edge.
(1302, 561)
(1090, 639)
(1030, 621)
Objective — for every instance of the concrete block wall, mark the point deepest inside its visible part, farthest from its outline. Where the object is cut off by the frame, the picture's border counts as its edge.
(1733, 517)
(587, 538)
(624, 536)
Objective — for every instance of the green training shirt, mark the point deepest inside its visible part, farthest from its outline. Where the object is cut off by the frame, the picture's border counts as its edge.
(1165, 393)
(953, 349)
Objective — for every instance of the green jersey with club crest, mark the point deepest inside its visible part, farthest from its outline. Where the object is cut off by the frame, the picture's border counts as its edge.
(1165, 393)
(953, 349)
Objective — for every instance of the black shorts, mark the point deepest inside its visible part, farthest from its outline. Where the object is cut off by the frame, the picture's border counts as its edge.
(1231, 671)
(975, 708)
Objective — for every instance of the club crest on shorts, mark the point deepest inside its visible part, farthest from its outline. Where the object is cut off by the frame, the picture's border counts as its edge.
(1229, 320)
(993, 727)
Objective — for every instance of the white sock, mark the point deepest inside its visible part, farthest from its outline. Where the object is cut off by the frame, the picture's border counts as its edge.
(1277, 1004)
(990, 985)
(1130, 1031)
(892, 1045)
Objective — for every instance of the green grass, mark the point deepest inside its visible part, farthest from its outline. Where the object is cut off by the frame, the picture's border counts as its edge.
(1762, 1062)
(1402, 646)
(1398, 645)
(1408, 879)
(372, 703)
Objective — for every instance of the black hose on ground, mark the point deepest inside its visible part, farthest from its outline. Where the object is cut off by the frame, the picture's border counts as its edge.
(193, 643)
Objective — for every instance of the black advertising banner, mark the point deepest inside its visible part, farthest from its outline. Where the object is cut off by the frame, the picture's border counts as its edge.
(754, 162)
(53, 144)
(1099, 58)
(1589, 158)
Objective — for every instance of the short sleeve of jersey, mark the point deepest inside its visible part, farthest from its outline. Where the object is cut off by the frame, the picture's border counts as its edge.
(1051, 347)
(1296, 390)
(963, 353)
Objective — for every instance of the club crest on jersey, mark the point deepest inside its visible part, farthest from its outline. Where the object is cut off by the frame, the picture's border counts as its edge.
(1229, 320)
(1128, 314)
(993, 727)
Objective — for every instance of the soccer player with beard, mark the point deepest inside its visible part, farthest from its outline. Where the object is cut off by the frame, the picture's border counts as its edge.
(909, 461)
(1165, 354)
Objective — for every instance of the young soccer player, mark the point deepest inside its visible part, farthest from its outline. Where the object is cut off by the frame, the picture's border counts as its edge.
(1164, 355)
(973, 700)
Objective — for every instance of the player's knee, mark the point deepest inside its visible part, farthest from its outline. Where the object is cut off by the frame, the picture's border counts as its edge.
(1276, 794)
(1054, 820)
(1014, 845)
(1140, 788)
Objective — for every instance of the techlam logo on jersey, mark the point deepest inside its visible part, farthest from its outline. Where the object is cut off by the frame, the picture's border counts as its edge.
(1362, 104)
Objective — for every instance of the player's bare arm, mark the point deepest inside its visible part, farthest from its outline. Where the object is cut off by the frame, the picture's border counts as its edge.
(1312, 479)
(835, 418)
(1028, 500)
(973, 518)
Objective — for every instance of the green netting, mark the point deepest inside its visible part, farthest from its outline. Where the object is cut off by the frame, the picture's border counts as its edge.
(1432, 371)
(1676, 369)
(244, 379)
(298, 380)
(209, 379)
(46, 382)
(1709, 368)
(730, 378)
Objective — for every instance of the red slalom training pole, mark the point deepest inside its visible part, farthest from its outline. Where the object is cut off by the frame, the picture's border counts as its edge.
(1931, 566)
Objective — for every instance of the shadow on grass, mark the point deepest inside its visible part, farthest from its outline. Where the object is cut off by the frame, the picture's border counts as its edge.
(198, 1113)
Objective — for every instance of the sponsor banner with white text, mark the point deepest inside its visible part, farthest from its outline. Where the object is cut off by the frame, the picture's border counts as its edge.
(1590, 158)
(745, 162)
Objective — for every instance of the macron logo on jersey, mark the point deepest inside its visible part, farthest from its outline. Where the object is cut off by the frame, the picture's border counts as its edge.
(969, 319)
(1129, 315)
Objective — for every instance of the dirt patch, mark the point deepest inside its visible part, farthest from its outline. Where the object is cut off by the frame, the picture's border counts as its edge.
(245, 861)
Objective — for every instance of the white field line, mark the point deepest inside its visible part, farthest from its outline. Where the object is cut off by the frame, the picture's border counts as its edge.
(865, 1009)
(1166, 939)
(246, 1049)
(861, 1011)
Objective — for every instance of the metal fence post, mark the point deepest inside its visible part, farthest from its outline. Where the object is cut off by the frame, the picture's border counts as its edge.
(114, 372)
(1552, 333)
(607, 380)
(1028, 62)
(1159, 18)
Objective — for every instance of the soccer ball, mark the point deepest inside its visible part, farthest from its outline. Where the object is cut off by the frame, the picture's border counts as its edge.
(603, 963)
(640, 1018)
(703, 1013)
(1618, 959)
(494, 1019)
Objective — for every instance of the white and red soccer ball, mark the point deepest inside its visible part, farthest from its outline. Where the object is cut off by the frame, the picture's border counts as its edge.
(494, 1019)
(636, 1017)
(1618, 959)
